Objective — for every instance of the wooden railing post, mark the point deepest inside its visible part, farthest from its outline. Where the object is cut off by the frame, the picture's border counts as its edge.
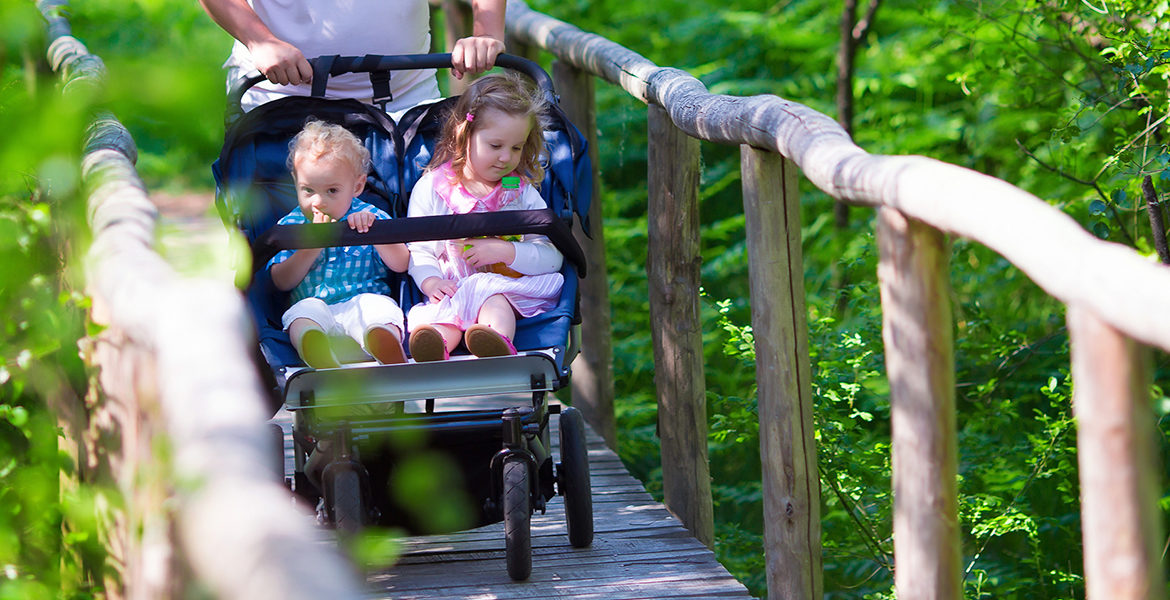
(672, 267)
(1119, 468)
(593, 372)
(792, 497)
(916, 328)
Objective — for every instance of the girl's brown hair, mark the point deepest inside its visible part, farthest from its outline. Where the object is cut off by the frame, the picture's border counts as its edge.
(510, 93)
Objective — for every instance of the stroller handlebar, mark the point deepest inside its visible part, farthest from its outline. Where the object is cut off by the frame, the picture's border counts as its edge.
(325, 66)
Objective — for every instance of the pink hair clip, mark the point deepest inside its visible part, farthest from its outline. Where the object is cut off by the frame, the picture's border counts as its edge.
(470, 117)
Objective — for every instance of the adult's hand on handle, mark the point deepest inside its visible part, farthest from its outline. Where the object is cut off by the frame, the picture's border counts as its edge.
(474, 54)
(281, 62)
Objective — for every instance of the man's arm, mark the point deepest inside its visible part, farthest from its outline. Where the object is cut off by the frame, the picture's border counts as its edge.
(478, 53)
(278, 60)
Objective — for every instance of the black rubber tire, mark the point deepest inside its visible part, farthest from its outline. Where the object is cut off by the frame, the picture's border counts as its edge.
(277, 434)
(573, 478)
(517, 504)
(348, 508)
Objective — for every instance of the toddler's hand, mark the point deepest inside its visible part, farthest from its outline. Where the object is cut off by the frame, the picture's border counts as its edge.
(361, 221)
(488, 251)
(436, 288)
(320, 217)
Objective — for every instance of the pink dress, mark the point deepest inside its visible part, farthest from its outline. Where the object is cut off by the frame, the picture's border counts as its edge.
(532, 287)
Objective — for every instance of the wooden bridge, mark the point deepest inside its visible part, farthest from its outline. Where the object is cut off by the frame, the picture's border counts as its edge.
(640, 550)
(237, 535)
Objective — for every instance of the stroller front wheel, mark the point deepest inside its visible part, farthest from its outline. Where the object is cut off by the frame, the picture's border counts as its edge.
(517, 518)
(348, 509)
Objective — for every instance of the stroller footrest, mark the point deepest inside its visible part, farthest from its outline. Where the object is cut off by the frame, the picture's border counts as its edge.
(459, 377)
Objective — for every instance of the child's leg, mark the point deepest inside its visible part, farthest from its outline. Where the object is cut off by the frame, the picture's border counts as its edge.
(498, 314)
(384, 343)
(492, 334)
(434, 342)
(312, 344)
(376, 322)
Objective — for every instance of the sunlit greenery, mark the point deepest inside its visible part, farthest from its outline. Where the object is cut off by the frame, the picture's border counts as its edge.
(1053, 96)
(1066, 99)
(40, 235)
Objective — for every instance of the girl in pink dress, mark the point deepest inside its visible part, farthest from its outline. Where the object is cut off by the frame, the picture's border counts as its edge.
(487, 160)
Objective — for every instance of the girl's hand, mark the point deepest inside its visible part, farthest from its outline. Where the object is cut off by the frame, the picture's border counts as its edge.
(436, 288)
(480, 252)
(361, 221)
(320, 217)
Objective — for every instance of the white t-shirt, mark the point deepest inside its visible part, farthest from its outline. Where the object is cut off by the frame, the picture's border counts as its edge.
(346, 28)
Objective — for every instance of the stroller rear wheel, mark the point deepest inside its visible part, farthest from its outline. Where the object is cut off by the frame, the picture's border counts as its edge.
(517, 518)
(573, 478)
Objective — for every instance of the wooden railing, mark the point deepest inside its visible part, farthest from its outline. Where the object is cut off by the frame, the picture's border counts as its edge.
(1114, 297)
(178, 428)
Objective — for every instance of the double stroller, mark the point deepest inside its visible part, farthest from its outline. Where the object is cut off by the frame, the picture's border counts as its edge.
(368, 423)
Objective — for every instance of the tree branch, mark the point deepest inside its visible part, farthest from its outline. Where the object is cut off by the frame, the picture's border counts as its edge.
(1157, 224)
(868, 537)
(861, 29)
(1086, 182)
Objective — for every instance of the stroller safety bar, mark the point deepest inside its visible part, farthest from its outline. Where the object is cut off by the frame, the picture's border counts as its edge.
(416, 229)
(534, 371)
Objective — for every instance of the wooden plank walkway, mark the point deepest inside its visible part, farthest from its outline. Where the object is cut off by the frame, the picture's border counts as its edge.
(639, 550)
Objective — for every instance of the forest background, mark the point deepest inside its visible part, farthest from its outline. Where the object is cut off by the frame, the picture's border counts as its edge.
(1065, 99)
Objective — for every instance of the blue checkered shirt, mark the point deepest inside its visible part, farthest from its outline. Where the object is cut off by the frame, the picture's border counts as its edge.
(340, 272)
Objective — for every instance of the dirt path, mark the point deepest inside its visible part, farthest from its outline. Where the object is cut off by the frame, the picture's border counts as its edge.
(192, 238)
(189, 205)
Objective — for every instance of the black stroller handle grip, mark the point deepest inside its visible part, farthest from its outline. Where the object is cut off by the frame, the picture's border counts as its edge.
(372, 63)
(418, 229)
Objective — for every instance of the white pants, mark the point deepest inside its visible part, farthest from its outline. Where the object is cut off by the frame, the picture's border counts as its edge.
(350, 318)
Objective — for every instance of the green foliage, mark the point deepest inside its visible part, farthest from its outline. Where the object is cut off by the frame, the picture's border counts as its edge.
(48, 535)
(1056, 97)
(165, 83)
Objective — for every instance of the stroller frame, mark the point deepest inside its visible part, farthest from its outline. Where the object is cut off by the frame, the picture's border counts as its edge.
(505, 454)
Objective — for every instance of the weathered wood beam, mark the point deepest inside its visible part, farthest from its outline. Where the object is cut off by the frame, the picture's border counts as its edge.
(1119, 467)
(593, 371)
(914, 278)
(672, 268)
(185, 346)
(176, 359)
(792, 497)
